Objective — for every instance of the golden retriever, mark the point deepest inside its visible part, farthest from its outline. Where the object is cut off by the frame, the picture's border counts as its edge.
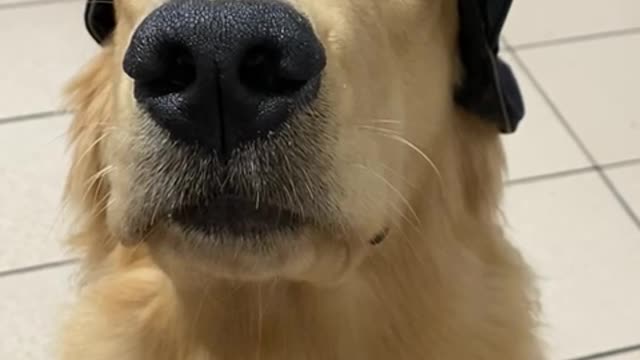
(289, 179)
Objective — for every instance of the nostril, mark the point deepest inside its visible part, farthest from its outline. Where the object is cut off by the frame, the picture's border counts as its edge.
(177, 71)
(261, 71)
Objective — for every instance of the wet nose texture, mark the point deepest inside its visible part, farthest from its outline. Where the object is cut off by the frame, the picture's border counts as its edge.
(222, 73)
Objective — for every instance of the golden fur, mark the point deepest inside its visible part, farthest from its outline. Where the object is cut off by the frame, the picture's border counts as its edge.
(444, 285)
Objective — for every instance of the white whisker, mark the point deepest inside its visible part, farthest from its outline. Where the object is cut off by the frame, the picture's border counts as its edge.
(394, 189)
(397, 137)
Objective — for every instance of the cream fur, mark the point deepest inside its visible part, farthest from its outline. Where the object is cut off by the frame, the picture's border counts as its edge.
(444, 285)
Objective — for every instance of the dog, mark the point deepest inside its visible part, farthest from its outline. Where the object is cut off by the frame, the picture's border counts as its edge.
(295, 179)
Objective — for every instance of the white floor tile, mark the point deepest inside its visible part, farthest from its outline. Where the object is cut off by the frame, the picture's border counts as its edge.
(594, 84)
(540, 145)
(627, 356)
(587, 253)
(627, 181)
(33, 166)
(42, 48)
(32, 307)
(542, 20)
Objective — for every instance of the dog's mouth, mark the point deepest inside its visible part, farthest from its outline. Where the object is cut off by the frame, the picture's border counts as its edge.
(236, 216)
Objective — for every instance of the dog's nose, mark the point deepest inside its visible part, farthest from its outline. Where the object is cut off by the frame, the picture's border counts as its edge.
(221, 73)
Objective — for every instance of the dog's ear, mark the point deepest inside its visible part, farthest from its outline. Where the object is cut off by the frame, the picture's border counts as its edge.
(488, 87)
(100, 19)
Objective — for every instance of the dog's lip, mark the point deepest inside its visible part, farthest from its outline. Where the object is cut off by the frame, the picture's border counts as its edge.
(236, 215)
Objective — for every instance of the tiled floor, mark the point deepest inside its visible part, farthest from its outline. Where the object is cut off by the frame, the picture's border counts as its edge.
(573, 198)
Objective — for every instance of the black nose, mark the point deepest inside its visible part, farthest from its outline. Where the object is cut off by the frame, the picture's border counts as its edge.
(221, 73)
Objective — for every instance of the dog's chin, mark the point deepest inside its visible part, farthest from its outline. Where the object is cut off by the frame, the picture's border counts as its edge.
(297, 254)
(199, 255)
(233, 239)
(241, 240)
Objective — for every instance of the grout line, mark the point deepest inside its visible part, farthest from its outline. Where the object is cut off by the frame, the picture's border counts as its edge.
(31, 3)
(605, 354)
(570, 172)
(33, 116)
(549, 176)
(575, 39)
(565, 123)
(39, 267)
(620, 164)
(623, 202)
